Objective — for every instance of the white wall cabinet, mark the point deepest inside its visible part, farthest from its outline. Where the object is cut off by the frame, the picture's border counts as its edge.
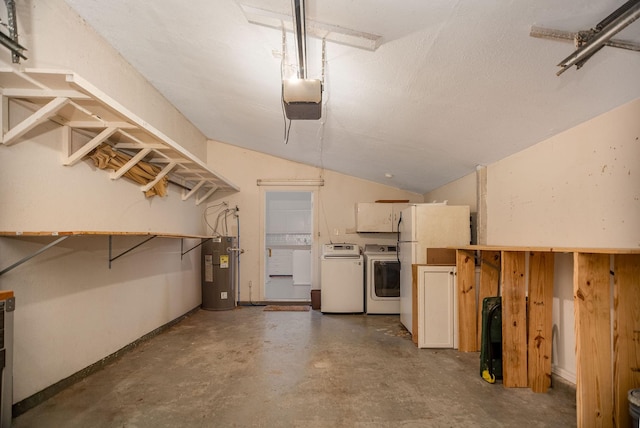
(378, 217)
(437, 320)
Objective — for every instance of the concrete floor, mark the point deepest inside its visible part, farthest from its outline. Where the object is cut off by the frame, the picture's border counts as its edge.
(251, 368)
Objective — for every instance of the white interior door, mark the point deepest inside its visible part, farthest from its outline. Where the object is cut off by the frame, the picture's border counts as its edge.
(288, 245)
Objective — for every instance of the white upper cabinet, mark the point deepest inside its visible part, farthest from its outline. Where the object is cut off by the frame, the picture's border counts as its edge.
(378, 217)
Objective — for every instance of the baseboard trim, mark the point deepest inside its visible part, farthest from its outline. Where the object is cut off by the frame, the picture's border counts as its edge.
(561, 373)
(559, 382)
(39, 397)
(274, 302)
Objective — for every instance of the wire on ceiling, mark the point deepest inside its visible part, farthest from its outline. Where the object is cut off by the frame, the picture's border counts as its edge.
(287, 128)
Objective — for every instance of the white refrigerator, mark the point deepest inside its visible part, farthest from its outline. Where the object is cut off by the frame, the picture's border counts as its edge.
(425, 226)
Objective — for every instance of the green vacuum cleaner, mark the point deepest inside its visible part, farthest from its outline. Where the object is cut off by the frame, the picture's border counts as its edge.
(491, 344)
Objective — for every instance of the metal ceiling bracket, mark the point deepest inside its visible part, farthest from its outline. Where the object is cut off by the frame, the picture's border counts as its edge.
(29, 257)
(319, 30)
(597, 38)
(300, 32)
(569, 36)
(11, 41)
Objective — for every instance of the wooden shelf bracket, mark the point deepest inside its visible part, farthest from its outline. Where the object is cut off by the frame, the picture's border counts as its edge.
(66, 99)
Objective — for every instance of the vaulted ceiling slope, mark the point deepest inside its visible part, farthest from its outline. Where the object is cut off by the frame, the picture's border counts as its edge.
(452, 85)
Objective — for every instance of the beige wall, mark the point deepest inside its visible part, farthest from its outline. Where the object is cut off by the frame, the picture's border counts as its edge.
(57, 38)
(580, 188)
(334, 206)
(72, 310)
(459, 192)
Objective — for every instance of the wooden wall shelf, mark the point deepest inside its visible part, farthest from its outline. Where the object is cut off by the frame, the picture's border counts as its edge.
(607, 367)
(67, 99)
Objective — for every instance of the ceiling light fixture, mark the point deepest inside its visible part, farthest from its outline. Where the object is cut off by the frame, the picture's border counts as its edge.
(290, 182)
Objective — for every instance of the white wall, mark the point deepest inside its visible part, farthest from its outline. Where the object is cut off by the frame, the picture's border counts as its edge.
(580, 188)
(71, 310)
(334, 206)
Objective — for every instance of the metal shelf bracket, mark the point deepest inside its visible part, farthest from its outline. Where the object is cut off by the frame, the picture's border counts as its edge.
(29, 257)
(111, 259)
(182, 252)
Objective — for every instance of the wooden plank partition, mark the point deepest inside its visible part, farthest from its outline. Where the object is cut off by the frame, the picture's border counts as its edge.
(514, 320)
(466, 290)
(489, 282)
(606, 369)
(540, 319)
(594, 400)
(626, 333)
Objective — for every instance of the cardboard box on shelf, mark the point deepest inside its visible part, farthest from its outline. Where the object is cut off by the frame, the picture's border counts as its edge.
(441, 256)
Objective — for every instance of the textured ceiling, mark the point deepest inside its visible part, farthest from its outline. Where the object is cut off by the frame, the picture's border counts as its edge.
(453, 84)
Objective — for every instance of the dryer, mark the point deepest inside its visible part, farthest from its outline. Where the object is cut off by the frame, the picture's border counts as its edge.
(382, 279)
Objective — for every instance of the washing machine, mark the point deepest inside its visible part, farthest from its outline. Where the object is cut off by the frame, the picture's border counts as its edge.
(382, 279)
(341, 279)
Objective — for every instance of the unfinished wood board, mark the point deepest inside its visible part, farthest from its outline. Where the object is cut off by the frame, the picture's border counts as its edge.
(549, 249)
(489, 281)
(626, 334)
(591, 293)
(467, 307)
(540, 304)
(100, 233)
(514, 320)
